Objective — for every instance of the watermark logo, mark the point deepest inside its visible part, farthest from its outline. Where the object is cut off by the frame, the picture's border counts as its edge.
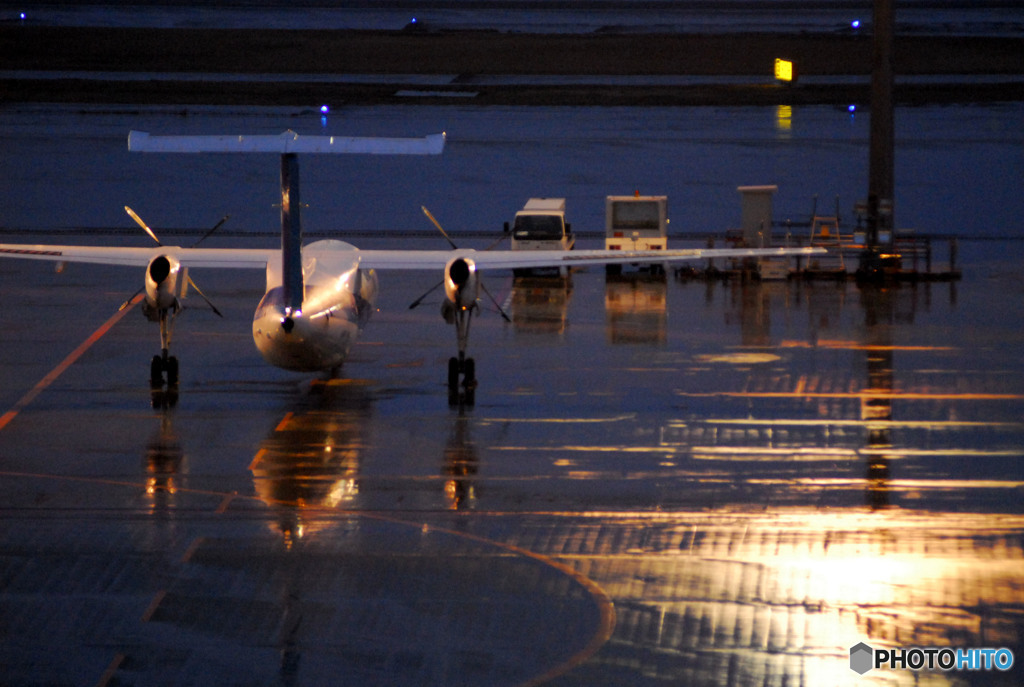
(863, 658)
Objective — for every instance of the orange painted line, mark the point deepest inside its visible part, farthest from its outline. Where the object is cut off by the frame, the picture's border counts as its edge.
(601, 599)
(283, 424)
(257, 459)
(192, 548)
(108, 674)
(153, 605)
(858, 346)
(603, 602)
(226, 501)
(897, 395)
(56, 372)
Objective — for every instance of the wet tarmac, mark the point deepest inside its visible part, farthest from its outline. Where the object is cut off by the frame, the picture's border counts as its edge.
(660, 482)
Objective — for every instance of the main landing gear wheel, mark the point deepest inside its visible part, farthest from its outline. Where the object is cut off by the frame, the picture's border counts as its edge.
(159, 366)
(163, 398)
(464, 393)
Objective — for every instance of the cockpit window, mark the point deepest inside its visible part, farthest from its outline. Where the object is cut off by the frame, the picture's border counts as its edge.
(271, 299)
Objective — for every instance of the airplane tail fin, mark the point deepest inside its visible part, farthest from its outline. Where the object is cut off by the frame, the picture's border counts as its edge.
(291, 233)
(288, 145)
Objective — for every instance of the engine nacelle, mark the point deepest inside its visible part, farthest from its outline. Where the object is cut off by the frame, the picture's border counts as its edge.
(162, 282)
(461, 282)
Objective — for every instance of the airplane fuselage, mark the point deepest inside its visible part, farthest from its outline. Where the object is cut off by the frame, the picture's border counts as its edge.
(337, 302)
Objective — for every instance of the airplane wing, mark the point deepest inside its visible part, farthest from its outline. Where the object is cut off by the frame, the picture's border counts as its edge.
(509, 259)
(257, 258)
(251, 258)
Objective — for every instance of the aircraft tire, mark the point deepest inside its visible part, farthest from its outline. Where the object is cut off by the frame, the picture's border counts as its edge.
(469, 372)
(453, 373)
(172, 371)
(156, 370)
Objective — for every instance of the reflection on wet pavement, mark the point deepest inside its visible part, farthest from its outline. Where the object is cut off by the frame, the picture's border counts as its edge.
(780, 597)
(311, 459)
(660, 483)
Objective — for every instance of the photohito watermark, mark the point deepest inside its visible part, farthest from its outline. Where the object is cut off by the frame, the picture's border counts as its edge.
(863, 658)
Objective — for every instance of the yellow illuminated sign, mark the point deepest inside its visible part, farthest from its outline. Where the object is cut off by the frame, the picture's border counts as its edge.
(785, 70)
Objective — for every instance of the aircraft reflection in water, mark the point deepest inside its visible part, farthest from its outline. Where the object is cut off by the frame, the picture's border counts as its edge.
(163, 463)
(461, 464)
(311, 459)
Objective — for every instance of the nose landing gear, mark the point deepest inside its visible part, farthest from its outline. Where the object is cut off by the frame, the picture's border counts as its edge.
(165, 363)
(460, 369)
(161, 364)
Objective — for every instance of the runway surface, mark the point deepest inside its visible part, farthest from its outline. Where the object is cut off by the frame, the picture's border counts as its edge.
(659, 482)
(47, 64)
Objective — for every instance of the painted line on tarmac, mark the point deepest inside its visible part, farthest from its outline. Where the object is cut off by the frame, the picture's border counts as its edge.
(599, 597)
(111, 670)
(56, 372)
(605, 606)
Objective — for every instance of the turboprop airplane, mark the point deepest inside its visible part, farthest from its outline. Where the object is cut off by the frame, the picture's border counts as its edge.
(319, 296)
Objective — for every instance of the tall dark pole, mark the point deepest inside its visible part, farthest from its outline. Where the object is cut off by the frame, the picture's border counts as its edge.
(880, 169)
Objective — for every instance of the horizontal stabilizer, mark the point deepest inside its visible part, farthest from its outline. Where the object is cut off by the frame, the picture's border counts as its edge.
(287, 142)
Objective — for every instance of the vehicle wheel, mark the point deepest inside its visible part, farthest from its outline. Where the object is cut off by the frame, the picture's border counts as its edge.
(469, 373)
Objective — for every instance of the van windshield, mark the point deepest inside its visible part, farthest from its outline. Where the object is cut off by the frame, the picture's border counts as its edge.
(538, 227)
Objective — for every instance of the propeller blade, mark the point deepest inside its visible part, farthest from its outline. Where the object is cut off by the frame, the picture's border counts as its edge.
(430, 291)
(138, 220)
(203, 296)
(495, 302)
(493, 245)
(132, 299)
(438, 225)
(210, 233)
